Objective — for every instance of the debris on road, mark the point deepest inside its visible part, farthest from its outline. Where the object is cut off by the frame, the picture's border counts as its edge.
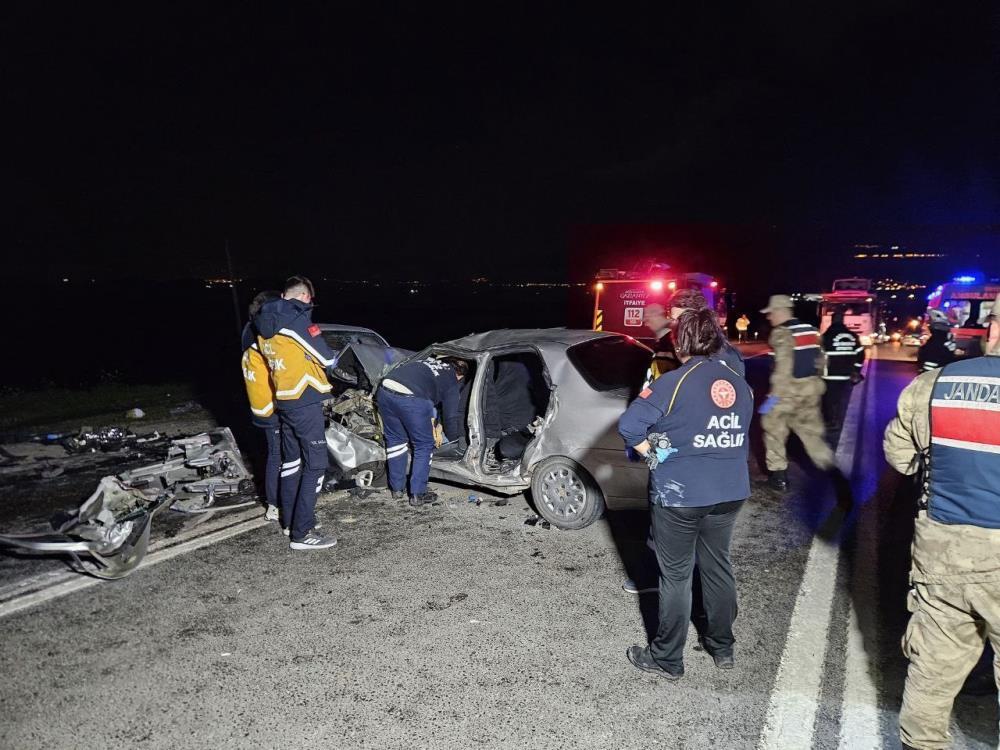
(108, 535)
(135, 413)
(537, 521)
(54, 454)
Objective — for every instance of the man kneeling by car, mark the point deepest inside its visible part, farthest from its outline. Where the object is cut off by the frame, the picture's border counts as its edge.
(407, 402)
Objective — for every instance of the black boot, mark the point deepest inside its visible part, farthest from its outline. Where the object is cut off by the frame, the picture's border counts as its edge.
(778, 480)
(425, 498)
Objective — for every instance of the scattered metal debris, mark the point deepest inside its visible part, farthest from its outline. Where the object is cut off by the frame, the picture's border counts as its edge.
(106, 439)
(51, 455)
(108, 535)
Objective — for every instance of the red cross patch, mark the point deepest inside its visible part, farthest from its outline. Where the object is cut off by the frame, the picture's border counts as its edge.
(313, 330)
(646, 393)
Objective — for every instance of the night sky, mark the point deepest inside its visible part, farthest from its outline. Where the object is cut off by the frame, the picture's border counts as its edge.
(458, 142)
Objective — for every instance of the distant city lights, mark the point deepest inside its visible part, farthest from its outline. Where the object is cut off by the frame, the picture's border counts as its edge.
(906, 256)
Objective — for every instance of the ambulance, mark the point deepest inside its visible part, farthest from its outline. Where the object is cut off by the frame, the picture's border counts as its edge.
(967, 300)
(620, 297)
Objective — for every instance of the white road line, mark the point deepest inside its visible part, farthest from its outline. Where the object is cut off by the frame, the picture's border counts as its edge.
(859, 713)
(164, 550)
(791, 711)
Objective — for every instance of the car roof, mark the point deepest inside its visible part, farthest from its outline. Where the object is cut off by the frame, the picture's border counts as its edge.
(528, 336)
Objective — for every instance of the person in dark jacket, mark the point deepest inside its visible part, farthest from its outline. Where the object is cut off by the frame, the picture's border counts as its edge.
(662, 322)
(298, 358)
(844, 358)
(260, 394)
(939, 349)
(665, 360)
(692, 427)
(407, 402)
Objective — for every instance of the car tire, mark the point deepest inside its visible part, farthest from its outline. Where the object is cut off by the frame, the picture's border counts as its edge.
(565, 494)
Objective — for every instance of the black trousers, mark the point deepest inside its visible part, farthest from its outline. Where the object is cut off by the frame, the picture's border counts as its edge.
(682, 537)
(835, 402)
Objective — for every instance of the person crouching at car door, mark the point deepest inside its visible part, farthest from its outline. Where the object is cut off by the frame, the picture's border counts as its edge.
(407, 401)
(692, 426)
(298, 357)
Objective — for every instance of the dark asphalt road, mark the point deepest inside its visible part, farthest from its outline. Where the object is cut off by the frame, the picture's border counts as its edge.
(457, 626)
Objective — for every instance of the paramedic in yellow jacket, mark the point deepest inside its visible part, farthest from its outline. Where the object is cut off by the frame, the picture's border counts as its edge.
(297, 357)
(260, 393)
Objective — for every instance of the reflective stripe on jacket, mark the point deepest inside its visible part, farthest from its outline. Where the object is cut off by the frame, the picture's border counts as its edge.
(257, 379)
(297, 354)
(965, 444)
(844, 354)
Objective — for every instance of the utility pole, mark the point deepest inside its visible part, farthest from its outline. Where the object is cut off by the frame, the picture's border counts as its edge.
(236, 297)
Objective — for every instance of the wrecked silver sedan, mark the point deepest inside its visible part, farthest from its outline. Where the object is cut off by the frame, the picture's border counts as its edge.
(542, 409)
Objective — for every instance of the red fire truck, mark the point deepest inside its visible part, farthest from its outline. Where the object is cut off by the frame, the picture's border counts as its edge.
(621, 296)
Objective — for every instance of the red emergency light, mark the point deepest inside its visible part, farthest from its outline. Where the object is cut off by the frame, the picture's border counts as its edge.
(656, 286)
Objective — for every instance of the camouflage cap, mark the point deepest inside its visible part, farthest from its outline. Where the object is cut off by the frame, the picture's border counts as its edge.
(778, 302)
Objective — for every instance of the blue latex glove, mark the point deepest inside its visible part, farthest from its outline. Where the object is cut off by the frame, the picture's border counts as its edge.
(769, 403)
(660, 450)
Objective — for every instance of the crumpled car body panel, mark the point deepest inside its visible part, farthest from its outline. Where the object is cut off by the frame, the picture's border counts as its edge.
(108, 534)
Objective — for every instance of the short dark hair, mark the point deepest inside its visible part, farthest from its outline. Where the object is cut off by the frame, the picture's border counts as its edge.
(460, 366)
(689, 299)
(698, 333)
(299, 281)
(259, 300)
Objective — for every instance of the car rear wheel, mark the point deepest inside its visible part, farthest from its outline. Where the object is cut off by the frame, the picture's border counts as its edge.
(565, 494)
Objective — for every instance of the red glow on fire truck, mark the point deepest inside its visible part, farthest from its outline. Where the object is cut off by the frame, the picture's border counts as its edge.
(620, 297)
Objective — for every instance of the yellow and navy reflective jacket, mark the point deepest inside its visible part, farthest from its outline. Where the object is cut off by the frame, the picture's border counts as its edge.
(257, 380)
(297, 354)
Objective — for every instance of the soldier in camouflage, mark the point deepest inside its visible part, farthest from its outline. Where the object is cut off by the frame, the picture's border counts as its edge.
(948, 427)
(796, 389)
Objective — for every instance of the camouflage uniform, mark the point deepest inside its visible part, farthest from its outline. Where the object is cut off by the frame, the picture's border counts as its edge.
(798, 407)
(955, 595)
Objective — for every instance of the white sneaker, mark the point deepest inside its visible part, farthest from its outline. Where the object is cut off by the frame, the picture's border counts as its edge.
(631, 587)
(271, 514)
(312, 540)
